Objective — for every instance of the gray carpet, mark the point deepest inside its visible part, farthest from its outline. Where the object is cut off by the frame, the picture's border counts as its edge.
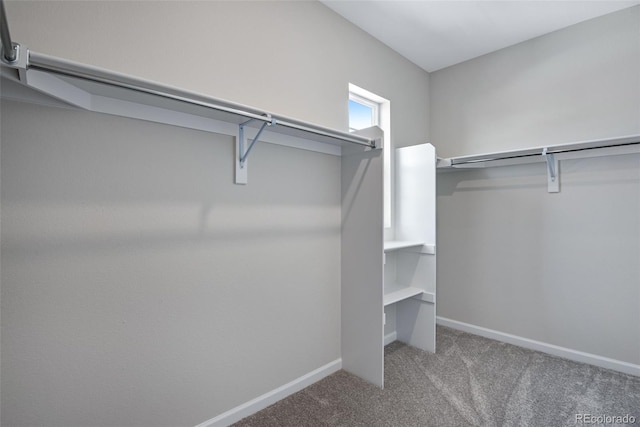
(470, 381)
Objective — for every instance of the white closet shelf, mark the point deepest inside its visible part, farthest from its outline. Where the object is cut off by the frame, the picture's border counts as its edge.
(80, 85)
(421, 247)
(396, 293)
(394, 245)
(624, 145)
(106, 91)
(551, 154)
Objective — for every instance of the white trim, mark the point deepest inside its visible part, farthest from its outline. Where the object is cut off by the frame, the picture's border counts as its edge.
(566, 353)
(363, 93)
(251, 407)
(389, 338)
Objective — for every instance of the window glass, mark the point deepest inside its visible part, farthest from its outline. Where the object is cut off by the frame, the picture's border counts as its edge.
(360, 115)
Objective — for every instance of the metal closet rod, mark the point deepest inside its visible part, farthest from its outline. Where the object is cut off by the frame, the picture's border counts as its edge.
(86, 72)
(537, 152)
(9, 50)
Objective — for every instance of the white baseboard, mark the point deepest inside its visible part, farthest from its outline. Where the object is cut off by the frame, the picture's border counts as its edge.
(389, 338)
(566, 353)
(267, 399)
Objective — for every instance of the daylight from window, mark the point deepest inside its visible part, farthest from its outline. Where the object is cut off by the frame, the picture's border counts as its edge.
(360, 115)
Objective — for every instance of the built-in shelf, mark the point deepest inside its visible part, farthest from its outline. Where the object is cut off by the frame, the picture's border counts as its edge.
(421, 247)
(394, 245)
(551, 154)
(395, 293)
(99, 90)
(538, 154)
(104, 90)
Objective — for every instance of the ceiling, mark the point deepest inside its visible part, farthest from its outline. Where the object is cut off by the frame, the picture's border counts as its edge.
(437, 34)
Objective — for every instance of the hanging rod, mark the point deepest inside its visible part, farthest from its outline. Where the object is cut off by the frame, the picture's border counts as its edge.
(63, 67)
(9, 49)
(550, 154)
(534, 155)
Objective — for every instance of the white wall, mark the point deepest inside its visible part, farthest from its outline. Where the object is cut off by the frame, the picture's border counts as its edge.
(140, 286)
(559, 268)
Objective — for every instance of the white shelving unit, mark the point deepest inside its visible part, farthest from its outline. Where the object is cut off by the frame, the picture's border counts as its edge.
(395, 297)
(409, 261)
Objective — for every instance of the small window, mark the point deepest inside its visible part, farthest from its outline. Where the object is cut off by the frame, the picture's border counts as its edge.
(363, 113)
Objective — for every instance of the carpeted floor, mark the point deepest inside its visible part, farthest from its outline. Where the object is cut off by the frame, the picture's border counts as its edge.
(470, 381)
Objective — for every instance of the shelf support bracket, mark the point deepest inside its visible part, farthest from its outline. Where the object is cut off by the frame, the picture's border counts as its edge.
(242, 154)
(20, 61)
(553, 172)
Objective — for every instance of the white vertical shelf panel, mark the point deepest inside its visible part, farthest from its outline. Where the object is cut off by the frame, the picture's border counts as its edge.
(416, 324)
(416, 320)
(362, 265)
(415, 193)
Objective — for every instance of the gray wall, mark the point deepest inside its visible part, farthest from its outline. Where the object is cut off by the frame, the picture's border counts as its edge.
(575, 84)
(558, 268)
(140, 286)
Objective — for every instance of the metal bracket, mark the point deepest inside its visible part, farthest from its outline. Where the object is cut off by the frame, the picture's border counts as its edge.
(20, 62)
(553, 172)
(241, 153)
